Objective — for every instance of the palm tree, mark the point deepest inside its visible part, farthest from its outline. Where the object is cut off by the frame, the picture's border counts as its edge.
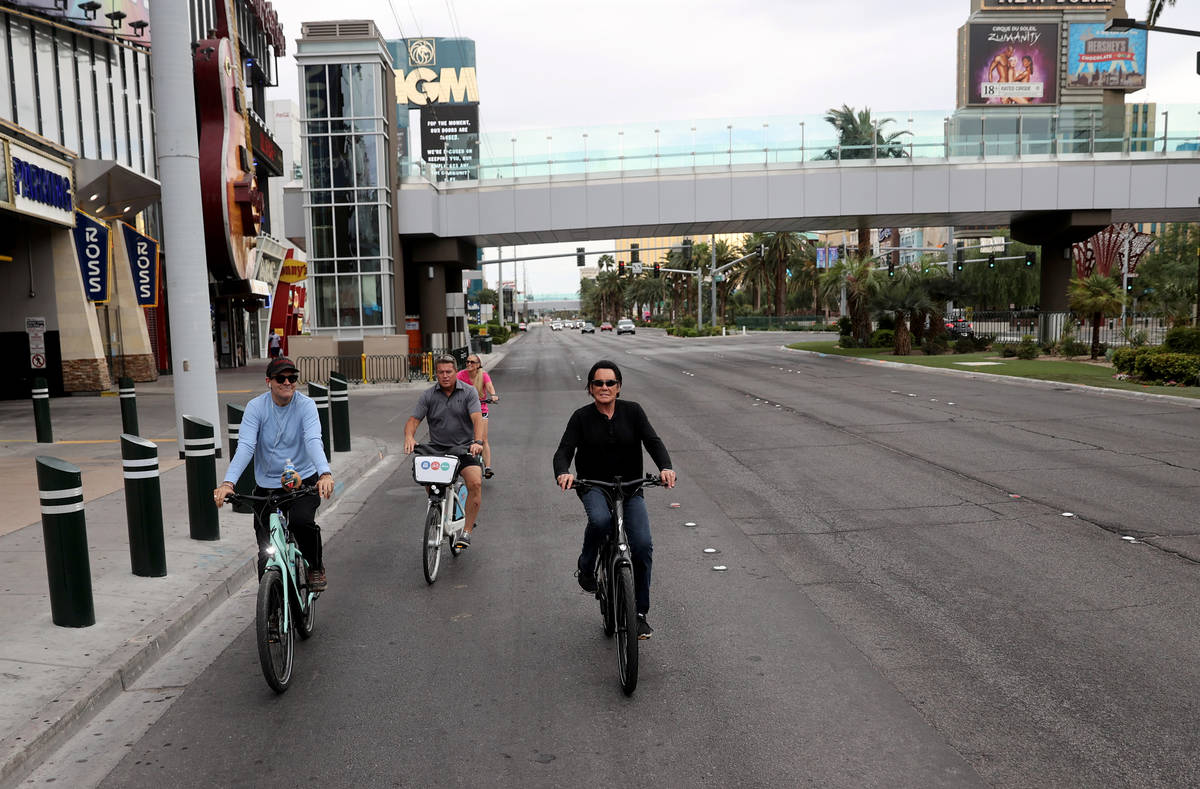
(606, 263)
(857, 275)
(906, 297)
(755, 271)
(610, 290)
(861, 137)
(1098, 296)
(781, 248)
(1156, 8)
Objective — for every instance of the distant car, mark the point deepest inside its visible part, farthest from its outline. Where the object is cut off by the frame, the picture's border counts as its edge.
(556, 326)
(625, 326)
(606, 326)
(522, 327)
(959, 328)
(588, 328)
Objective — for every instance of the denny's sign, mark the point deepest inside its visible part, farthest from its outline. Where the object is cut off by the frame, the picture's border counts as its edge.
(293, 271)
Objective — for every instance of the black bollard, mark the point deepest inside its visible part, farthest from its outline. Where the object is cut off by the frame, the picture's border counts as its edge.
(199, 451)
(64, 529)
(41, 411)
(129, 420)
(143, 507)
(320, 396)
(245, 483)
(339, 412)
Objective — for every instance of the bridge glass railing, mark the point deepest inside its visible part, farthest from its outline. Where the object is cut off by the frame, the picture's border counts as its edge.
(971, 134)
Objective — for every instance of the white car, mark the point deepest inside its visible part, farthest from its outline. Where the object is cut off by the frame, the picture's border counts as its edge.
(625, 326)
(556, 326)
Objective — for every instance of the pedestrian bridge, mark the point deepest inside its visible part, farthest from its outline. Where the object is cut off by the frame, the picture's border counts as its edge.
(981, 169)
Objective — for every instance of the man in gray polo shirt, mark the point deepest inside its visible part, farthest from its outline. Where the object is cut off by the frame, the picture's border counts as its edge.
(452, 409)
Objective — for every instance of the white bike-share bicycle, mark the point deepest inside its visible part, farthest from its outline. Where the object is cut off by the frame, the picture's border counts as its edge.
(447, 513)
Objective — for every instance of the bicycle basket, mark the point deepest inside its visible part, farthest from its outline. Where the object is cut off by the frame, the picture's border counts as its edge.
(434, 469)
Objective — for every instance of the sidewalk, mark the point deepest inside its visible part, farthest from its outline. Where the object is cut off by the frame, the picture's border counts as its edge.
(54, 679)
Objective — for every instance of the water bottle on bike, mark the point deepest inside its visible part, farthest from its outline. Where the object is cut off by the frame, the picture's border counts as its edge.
(291, 478)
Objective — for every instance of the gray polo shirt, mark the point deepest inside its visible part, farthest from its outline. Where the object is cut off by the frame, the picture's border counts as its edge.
(449, 418)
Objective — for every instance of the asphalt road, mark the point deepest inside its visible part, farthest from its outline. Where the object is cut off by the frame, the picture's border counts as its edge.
(907, 603)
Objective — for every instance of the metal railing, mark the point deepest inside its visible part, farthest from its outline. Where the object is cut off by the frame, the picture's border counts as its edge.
(1075, 131)
(1047, 327)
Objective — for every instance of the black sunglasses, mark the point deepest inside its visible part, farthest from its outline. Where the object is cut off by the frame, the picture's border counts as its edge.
(287, 379)
(606, 382)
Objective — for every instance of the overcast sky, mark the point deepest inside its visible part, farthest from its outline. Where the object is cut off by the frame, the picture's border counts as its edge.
(544, 64)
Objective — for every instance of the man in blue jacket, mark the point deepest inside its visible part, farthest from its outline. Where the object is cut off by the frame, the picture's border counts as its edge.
(281, 425)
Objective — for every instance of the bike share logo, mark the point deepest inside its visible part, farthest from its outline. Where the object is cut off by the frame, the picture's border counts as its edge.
(422, 52)
(434, 465)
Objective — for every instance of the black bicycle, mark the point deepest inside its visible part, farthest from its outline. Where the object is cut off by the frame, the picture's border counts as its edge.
(614, 576)
(286, 603)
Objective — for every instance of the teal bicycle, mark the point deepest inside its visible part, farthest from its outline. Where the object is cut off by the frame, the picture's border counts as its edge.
(286, 604)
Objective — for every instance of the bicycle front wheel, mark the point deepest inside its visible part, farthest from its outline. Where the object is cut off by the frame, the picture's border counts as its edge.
(431, 553)
(275, 647)
(627, 636)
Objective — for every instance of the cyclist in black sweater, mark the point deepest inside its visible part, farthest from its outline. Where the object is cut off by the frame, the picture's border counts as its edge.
(605, 438)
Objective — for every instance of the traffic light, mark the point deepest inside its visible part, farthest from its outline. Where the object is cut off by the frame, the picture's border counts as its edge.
(1129, 287)
(633, 254)
(687, 251)
(762, 250)
(959, 259)
(991, 261)
(656, 271)
(1030, 259)
(578, 256)
(891, 267)
(620, 268)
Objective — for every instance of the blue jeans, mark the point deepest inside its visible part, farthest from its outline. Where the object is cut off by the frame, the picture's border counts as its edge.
(637, 529)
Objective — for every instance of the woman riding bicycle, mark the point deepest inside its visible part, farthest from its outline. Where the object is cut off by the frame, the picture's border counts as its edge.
(476, 377)
(605, 438)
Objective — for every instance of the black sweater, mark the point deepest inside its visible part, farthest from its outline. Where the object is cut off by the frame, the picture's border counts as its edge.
(606, 448)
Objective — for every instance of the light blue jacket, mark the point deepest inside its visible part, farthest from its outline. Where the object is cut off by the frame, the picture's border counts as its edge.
(270, 434)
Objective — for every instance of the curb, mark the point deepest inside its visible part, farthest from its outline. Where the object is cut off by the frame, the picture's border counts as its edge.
(1016, 380)
(61, 718)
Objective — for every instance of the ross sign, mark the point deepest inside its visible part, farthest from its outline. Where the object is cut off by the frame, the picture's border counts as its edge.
(450, 141)
(143, 264)
(1045, 5)
(1097, 58)
(39, 186)
(91, 247)
(1012, 63)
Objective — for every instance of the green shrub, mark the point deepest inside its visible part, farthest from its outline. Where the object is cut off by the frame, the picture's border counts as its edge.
(887, 321)
(1181, 369)
(1183, 339)
(883, 338)
(1134, 336)
(845, 326)
(1007, 349)
(964, 345)
(498, 333)
(1028, 348)
(935, 345)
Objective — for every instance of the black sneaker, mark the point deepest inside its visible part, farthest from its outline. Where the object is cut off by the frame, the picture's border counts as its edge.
(644, 629)
(464, 541)
(587, 581)
(487, 472)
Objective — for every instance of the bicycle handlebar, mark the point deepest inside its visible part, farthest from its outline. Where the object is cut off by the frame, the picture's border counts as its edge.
(458, 450)
(650, 480)
(275, 498)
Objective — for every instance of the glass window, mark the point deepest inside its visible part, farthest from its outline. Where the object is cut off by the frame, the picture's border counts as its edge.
(362, 84)
(369, 264)
(146, 104)
(22, 65)
(90, 144)
(320, 197)
(367, 159)
(372, 300)
(368, 230)
(339, 97)
(47, 85)
(317, 127)
(67, 86)
(347, 266)
(318, 162)
(322, 232)
(344, 196)
(371, 125)
(345, 232)
(326, 298)
(348, 302)
(343, 160)
(321, 267)
(129, 85)
(316, 96)
(104, 100)
(6, 111)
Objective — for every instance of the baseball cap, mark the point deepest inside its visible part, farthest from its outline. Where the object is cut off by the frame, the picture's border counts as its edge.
(282, 364)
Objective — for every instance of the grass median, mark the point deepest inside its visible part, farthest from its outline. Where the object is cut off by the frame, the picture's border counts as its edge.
(1070, 371)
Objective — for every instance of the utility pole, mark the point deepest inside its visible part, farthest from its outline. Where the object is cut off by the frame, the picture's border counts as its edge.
(193, 366)
(712, 312)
